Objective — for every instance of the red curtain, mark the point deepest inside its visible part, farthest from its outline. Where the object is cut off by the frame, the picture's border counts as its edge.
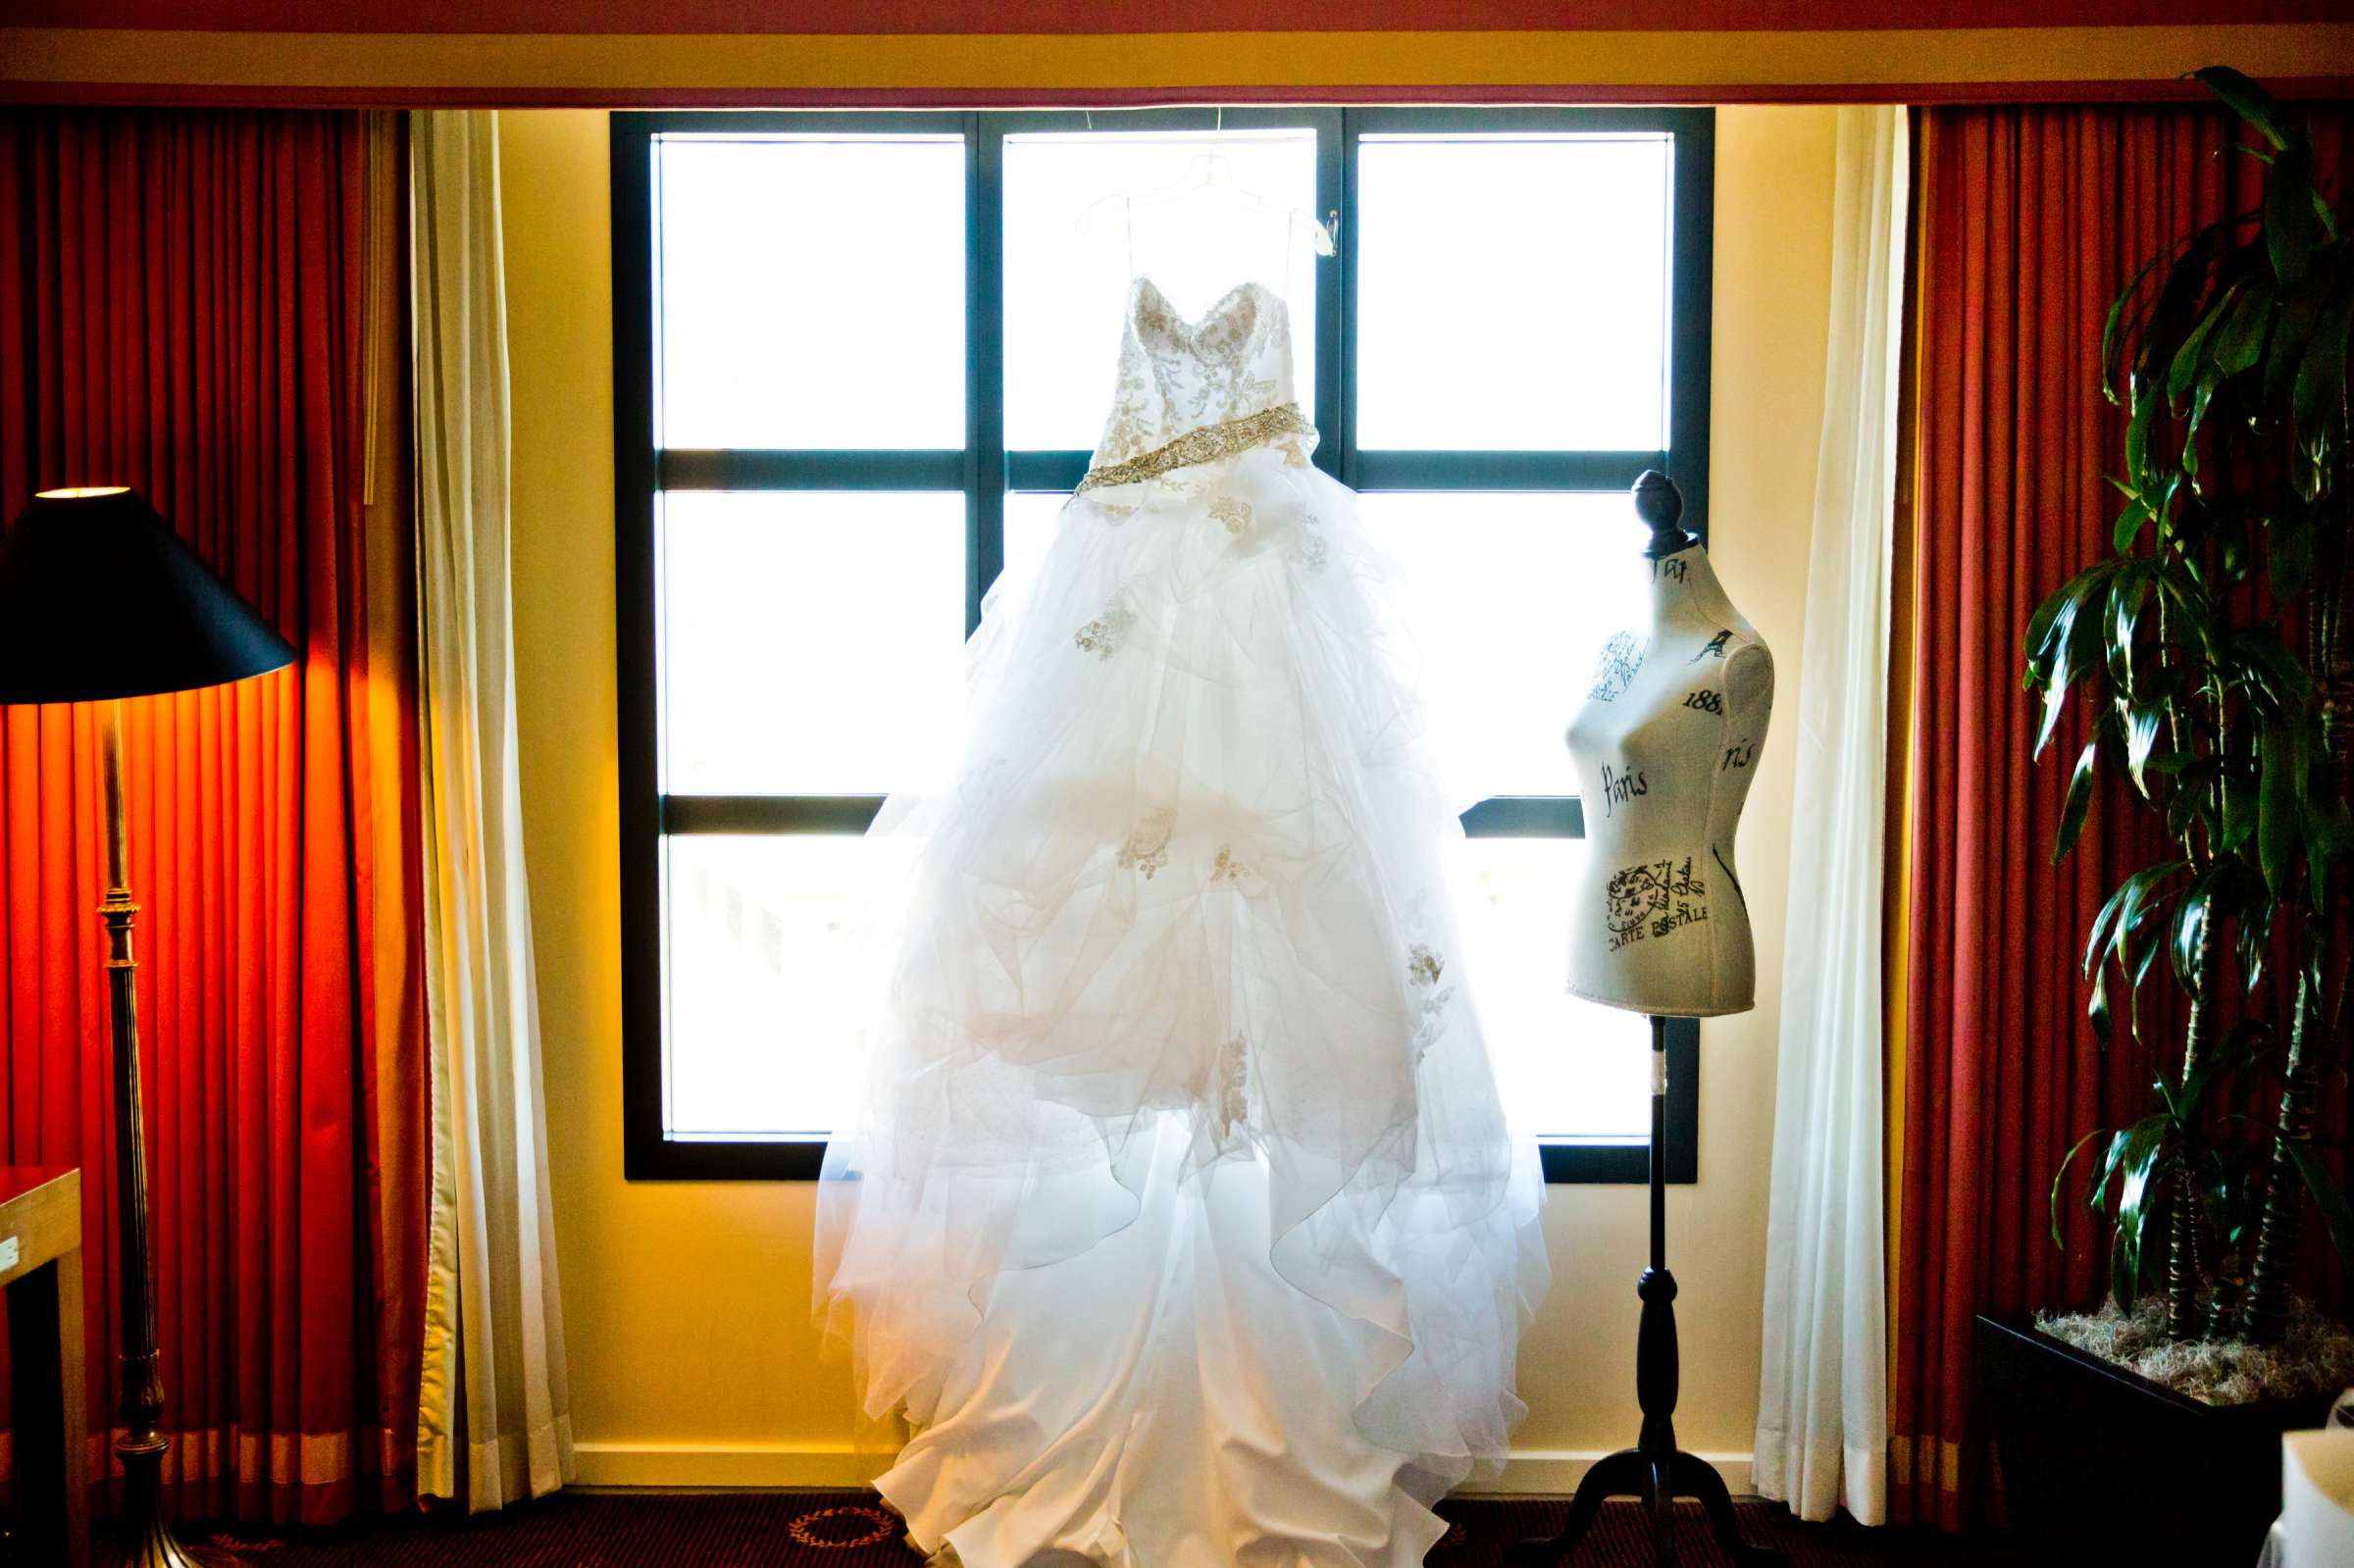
(211, 307)
(2030, 221)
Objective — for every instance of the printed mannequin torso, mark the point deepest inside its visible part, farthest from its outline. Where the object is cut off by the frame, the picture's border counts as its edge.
(1664, 748)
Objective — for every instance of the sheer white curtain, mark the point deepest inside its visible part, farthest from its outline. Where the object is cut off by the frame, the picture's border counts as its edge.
(1823, 1395)
(495, 1424)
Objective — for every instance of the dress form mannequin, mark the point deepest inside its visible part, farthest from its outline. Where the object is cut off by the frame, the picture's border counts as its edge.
(1663, 747)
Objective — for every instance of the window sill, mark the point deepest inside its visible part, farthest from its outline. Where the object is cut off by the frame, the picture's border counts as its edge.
(1567, 1164)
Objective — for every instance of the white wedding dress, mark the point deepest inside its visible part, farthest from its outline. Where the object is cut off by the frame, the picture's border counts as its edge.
(1182, 1222)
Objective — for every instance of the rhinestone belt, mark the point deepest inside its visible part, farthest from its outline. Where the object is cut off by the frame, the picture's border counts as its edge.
(1207, 444)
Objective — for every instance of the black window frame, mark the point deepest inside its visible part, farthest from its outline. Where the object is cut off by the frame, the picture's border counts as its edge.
(986, 473)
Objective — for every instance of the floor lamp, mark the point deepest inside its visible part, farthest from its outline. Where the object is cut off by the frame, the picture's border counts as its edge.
(100, 602)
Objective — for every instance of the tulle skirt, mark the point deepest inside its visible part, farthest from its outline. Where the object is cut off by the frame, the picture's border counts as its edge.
(1182, 1221)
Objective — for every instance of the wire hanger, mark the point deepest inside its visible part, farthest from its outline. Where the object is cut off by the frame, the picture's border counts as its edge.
(1212, 173)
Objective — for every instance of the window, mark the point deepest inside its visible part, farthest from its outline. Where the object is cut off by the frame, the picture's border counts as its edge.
(860, 361)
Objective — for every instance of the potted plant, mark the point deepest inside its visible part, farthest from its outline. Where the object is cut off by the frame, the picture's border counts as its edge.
(2210, 658)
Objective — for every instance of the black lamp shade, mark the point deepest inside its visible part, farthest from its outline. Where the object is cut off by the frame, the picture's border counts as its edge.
(99, 598)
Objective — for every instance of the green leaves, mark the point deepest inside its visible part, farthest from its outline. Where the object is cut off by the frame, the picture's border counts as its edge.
(2186, 1102)
(2120, 920)
(2297, 318)
(2337, 1217)
(2133, 1160)
(2128, 591)
(2138, 432)
(2329, 838)
(2060, 1179)
(2114, 330)
(2078, 801)
(2230, 353)
(2245, 99)
(2289, 565)
(2292, 227)
(2319, 392)
(2064, 641)
(2255, 935)
(2265, 296)
(2295, 218)
(2240, 345)
(2183, 372)
(2141, 734)
(2190, 929)
(2278, 829)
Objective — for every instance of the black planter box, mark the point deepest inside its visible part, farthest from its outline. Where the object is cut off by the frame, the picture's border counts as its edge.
(2102, 1465)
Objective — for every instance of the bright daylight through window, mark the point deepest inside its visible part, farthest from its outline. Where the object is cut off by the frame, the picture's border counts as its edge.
(862, 362)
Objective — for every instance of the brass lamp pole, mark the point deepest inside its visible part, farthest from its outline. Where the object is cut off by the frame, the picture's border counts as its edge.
(146, 1536)
(100, 557)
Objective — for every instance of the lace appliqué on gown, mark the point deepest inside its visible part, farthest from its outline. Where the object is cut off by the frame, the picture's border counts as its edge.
(1147, 849)
(1103, 635)
(1176, 376)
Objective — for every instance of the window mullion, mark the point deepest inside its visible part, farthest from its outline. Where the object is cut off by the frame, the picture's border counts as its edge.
(1331, 326)
(1343, 316)
(985, 360)
(743, 467)
(1558, 472)
(1691, 264)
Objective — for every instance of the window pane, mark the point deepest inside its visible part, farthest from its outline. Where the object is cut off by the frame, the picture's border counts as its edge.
(1065, 287)
(812, 641)
(767, 985)
(1583, 1069)
(1030, 520)
(1509, 597)
(1513, 292)
(812, 291)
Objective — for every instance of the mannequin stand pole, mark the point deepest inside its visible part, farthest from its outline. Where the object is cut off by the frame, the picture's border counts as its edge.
(1654, 1469)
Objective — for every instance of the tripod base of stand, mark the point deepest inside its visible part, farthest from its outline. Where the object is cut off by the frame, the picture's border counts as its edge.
(1655, 1469)
(1658, 1479)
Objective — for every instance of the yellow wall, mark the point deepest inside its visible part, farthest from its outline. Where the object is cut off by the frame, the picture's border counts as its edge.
(687, 1305)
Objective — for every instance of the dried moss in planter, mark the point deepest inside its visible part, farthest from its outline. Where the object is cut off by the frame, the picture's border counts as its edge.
(2316, 1357)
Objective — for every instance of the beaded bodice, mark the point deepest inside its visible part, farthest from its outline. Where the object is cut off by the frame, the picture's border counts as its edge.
(1233, 367)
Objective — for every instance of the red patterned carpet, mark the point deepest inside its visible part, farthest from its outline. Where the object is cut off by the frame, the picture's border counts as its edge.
(847, 1530)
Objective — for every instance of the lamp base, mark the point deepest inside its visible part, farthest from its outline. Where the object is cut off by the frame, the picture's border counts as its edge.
(151, 1544)
(143, 1538)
